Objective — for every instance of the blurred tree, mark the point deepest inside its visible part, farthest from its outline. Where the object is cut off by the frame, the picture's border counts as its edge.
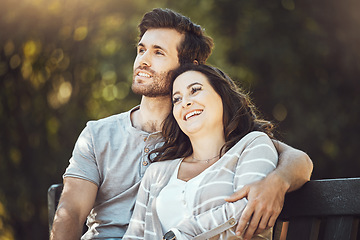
(62, 63)
(301, 61)
(65, 62)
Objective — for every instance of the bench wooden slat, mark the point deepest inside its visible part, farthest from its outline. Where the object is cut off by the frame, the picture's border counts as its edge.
(324, 198)
(304, 228)
(54, 193)
(341, 228)
(323, 209)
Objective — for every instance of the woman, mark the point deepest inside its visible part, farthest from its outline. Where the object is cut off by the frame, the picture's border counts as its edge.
(219, 145)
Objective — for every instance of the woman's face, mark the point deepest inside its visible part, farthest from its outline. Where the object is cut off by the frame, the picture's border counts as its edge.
(197, 107)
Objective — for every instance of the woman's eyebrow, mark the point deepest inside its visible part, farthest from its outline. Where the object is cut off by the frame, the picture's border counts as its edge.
(192, 84)
(188, 87)
(175, 93)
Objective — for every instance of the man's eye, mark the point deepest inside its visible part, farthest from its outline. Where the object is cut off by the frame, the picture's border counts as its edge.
(159, 53)
(141, 50)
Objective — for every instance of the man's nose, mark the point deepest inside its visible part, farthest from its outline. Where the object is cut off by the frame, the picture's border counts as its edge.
(145, 59)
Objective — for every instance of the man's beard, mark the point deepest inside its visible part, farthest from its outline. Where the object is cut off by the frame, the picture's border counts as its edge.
(158, 87)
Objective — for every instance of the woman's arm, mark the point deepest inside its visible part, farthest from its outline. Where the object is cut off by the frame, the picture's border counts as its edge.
(136, 229)
(256, 161)
(266, 197)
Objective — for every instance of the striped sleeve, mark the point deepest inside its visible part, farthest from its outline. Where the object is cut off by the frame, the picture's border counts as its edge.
(136, 229)
(255, 161)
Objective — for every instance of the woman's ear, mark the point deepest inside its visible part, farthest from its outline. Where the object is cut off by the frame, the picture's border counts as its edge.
(196, 62)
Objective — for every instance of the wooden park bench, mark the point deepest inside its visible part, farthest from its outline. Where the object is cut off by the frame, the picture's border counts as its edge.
(53, 197)
(321, 209)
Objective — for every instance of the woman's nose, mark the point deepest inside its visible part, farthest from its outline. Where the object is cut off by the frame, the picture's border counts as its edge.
(187, 103)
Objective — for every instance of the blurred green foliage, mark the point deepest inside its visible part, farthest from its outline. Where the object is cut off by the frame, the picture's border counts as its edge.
(64, 62)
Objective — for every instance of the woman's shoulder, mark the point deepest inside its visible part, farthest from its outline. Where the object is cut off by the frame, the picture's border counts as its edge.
(251, 136)
(256, 137)
(255, 134)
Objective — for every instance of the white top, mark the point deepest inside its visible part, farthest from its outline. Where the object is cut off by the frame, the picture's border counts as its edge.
(176, 200)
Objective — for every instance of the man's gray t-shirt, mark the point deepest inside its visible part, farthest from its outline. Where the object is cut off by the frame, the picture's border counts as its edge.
(111, 153)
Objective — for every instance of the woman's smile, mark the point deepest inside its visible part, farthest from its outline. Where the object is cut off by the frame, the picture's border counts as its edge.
(192, 114)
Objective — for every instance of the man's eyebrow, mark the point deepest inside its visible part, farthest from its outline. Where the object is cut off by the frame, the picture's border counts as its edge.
(153, 46)
(159, 47)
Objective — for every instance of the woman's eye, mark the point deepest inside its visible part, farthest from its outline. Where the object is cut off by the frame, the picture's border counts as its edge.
(176, 100)
(195, 89)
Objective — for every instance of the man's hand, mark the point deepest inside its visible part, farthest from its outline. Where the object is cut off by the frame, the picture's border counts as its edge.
(265, 202)
(266, 197)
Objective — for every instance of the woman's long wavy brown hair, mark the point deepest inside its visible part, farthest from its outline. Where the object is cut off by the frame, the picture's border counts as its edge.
(239, 117)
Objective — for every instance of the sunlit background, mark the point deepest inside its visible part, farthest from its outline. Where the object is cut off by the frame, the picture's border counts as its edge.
(64, 62)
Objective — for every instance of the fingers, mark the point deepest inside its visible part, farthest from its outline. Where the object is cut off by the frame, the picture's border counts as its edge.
(264, 223)
(238, 195)
(253, 226)
(268, 218)
(272, 220)
(244, 219)
(255, 219)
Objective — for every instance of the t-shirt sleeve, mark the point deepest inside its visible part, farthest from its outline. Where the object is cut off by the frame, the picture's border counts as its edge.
(83, 162)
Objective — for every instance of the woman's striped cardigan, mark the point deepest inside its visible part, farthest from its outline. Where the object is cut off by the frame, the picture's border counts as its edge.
(251, 159)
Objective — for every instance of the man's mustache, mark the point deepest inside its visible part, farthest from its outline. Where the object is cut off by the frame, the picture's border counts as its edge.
(145, 68)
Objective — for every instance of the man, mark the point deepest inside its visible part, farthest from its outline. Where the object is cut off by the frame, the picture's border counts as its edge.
(110, 156)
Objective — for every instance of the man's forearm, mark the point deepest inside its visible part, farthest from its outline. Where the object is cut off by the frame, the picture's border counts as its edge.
(65, 226)
(294, 167)
(77, 200)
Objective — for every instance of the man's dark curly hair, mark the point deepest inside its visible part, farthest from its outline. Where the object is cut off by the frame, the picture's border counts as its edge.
(196, 46)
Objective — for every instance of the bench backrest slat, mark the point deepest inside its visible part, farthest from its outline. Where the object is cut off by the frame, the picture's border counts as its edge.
(323, 209)
(341, 227)
(304, 228)
(324, 197)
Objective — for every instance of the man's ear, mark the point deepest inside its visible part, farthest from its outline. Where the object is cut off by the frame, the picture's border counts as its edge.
(196, 62)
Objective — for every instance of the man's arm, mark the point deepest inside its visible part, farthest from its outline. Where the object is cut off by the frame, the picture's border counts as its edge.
(266, 197)
(77, 199)
(295, 166)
